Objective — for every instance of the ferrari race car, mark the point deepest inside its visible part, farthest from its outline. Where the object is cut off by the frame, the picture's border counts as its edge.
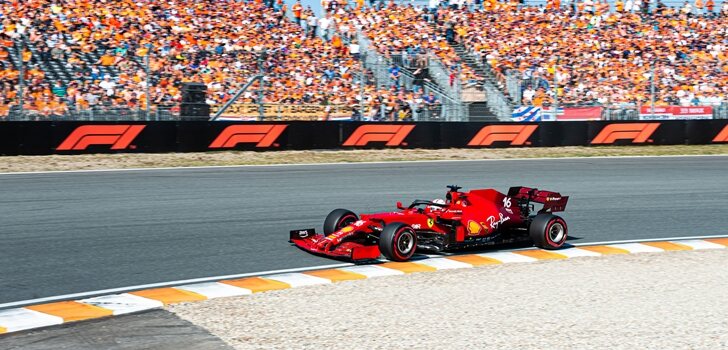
(463, 220)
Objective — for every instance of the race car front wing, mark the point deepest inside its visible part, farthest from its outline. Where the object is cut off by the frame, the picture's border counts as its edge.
(306, 239)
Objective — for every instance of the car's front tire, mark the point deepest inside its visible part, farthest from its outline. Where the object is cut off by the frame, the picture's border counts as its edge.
(338, 219)
(398, 241)
(548, 231)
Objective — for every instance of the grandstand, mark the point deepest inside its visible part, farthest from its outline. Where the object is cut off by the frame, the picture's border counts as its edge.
(99, 53)
(456, 61)
(601, 58)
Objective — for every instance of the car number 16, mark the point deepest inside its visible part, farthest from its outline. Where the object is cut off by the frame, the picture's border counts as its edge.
(507, 202)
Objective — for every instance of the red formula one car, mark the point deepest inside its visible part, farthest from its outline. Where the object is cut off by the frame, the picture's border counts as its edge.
(462, 220)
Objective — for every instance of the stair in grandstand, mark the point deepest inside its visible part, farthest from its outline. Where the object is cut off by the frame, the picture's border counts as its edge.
(480, 112)
(409, 69)
(489, 81)
(477, 95)
(480, 68)
(469, 60)
(54, 70)
(12, 57)
(476, 66)
(476, 108)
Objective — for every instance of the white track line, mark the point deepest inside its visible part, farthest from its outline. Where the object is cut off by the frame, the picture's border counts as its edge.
(353, 163)
(650, 240)
(504, 255)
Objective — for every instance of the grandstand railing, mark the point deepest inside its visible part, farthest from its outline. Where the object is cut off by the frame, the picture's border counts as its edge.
(514, 85)
(628, 111)
(497, 100)
(441, 74)
(98, 113)
(721, 111)
(249, 112)
(450, 107)
(285, 112)
(620, 113)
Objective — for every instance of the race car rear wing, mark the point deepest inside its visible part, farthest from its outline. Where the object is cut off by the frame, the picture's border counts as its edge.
(552, 201)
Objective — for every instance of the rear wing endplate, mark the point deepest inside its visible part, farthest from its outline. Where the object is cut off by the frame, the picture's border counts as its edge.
(552, 201)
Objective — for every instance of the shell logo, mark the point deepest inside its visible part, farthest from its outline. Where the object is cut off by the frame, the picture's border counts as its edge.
(347, 229)
(474, 228)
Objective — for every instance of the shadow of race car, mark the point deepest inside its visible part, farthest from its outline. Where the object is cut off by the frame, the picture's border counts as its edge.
(476, 218)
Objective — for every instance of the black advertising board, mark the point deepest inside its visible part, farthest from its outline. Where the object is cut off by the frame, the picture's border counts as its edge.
(73, 137)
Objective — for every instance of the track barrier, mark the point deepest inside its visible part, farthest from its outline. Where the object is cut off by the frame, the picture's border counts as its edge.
(77, 137)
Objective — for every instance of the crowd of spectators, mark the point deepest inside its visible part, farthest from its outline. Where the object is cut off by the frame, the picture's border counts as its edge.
(221, 43)
(408, 32)
(600, 54)
(398, 104)
(593, 52)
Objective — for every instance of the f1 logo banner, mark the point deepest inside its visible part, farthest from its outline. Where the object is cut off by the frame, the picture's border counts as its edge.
(637, 132)
(722, 135)
(118, 136)
(517, 135)
(393, 135)
(263, 135)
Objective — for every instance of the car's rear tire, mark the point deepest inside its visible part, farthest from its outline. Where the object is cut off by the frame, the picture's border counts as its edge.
(548, 231)
(337, 219)
(398, 241)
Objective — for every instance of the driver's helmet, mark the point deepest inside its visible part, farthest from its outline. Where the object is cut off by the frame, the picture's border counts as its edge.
(439, 207)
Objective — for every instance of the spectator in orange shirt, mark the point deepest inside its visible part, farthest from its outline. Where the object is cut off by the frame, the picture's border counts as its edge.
(107, 60)
(297, 11)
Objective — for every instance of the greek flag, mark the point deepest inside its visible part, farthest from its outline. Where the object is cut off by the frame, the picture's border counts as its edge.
(526, 114)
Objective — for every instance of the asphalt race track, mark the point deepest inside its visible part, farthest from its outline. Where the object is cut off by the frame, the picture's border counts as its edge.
(74, 232)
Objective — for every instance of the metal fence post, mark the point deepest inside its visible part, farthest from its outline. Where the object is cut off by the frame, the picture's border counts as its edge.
(21, 76)
(361, 85)
(146, 68)
(652, 90)
(261, 108)
(556, 89)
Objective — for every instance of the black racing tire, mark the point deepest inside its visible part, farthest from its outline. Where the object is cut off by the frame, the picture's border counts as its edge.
(398, 241)
(548, 231)
(337, 219)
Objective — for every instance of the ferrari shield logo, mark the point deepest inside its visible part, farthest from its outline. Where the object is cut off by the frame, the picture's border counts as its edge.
(430, 222)
(473, 228)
